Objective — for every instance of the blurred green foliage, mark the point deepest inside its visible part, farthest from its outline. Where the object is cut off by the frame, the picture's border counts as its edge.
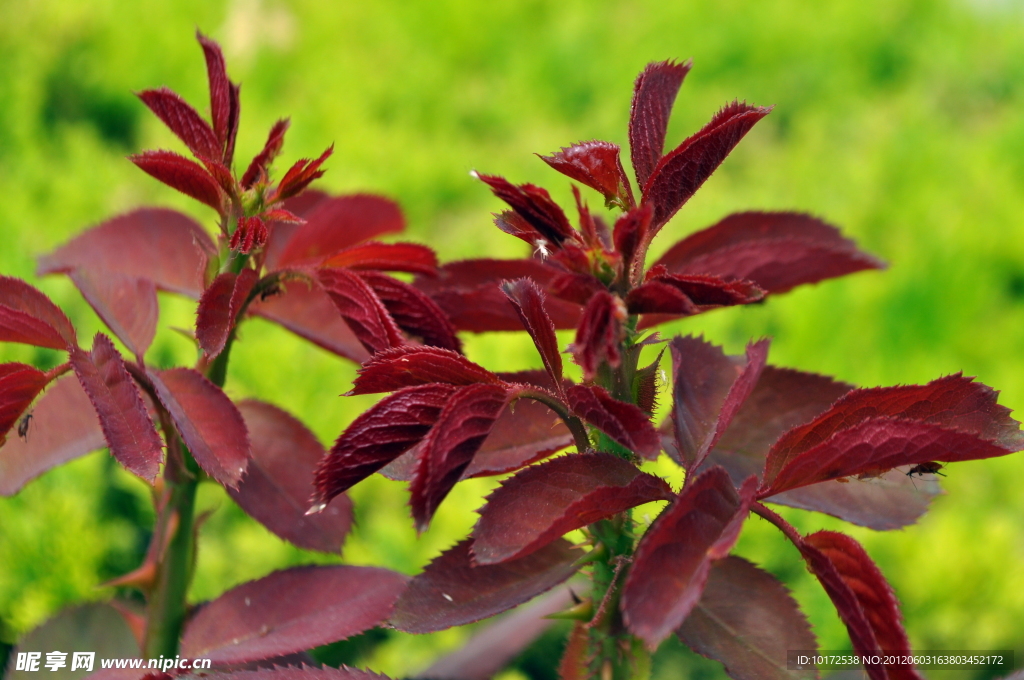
(900, 122)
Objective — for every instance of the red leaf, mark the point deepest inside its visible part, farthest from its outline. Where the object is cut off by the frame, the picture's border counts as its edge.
(452, 592)
(219, 309)
(630, 232)
(469, 293)
(413, 311)
(691, 294)
(123, 416)
(901, 426)
(625, 423)
(546, 501)
(19, 386)
(262, 160)
(301, 174)
(128, 305)
(362, 310)
(184, 122)
(234, 112)
(680, 173)
(461, 428)
(302, 672)
(599, 333)
(276, 487)
(747, 620)
(672, 560)
(180, 173)
(323, 604)
(220, 89)
(392, 257)
(209, 423)
(597, 165)
(528, 301)
(307, 311)
(524, 433)
(864, 599)
(390, 428)
(409, 365)
(775, 250)
(28, 316)
(653, 95)
(338, 223)
(250, 234)
(709, 388)
(534, 205)
(163, 246)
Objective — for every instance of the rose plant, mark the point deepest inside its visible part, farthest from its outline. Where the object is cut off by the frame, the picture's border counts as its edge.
(746, 433)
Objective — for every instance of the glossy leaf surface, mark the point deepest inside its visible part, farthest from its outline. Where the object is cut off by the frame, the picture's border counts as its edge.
(208, 421)
(413, 311)
(323, 604)
(452, 592)
(28, 316)
(654, 93)
(362, 310)
(410, 365)
(597, 165)
(534, 205)
(122, 414)
(338, 223)
(625, 423)
(546, 501)
(279, 480)
(390, 257)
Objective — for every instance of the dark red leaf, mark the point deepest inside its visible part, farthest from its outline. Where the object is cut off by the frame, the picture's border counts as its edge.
(461, 428)
(220, 89)
(234, 112)
(302, 672)
(630, 232)
(208, 421)
(28, 316)
(338, 223)
(452, 592)
(747, 620)
(413, 311)
(709, 388)
(599, 333)
(576, 288)
(276, 488)
(183, 121)
(597, 165)
(546, 501)
(164, 246)
(323, 604)
(409, 365)
(680, 173)
(775, 250)
(469, 293)
(863, 598)
(250, 234)
(219, 309)
(672, 560)
(653, 95)
(526, 432)
(63, 427)
(307, 311)
(390, 428)
(127, 304)
(625, 423)
(534, 205)
(681, 295)
(271, 148)
(362, 310)
(180, 173)
(528, 301)
(301, 174)
(123, 416)
(19, 386)
(392, 257)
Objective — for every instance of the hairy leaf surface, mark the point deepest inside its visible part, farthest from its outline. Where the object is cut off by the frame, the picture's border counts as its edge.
(413, 311)
(596, 164)
(184, 121)
(391, 257)
(528, 300)
(409, 365)
(654, 93)
(338, 223)
(362, 310)
(220, 93)
(219, 308)
(28, 316)
(685, 295)
(534, 205)
(623, 422)
(599, 333)
(182, 174)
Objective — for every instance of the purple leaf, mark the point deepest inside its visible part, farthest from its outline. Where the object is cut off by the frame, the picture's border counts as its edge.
(534, 205)
(276, 488)
(123, 416)
(546, 501)
(413, 311)
(128, 305)
(597, 165)
(625, 423)
(338, 223)
(629, 233)
(452, 592)
(528, 301)
(323, 604)
(409, 365)
(680, 173)
(524, 433)
(219, 309)
(672, 560)
(28, 316)
(180, 173)
(599, 333)
(747, 620)
(19, 386)
(183, 121)
(680, 295)
(775, 250)
(208, 421)
(653, 95)
(362, 310)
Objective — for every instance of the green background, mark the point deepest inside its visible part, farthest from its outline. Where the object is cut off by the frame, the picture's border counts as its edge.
(899, 121)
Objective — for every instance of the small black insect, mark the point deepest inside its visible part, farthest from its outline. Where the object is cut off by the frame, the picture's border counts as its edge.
(23, 426)
(922, 469)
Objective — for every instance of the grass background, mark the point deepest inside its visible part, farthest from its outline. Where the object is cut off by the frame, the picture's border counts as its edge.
(900, 122)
